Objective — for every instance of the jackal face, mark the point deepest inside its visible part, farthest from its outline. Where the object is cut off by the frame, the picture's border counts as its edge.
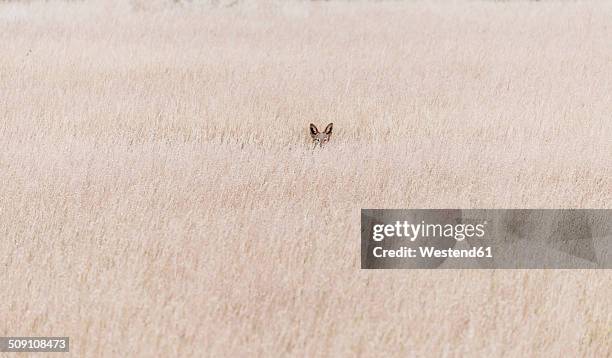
(321, 138)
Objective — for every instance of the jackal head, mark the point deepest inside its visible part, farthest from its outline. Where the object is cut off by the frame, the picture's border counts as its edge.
(320, 138)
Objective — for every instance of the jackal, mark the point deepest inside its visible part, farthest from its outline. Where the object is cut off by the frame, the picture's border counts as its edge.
(318, 137)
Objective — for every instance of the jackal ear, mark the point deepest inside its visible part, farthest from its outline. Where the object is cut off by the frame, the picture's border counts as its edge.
(328, 129)
(313, 130)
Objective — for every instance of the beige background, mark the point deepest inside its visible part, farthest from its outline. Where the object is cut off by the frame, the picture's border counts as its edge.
(159, 195)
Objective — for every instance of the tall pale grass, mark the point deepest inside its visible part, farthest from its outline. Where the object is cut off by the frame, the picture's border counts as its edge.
(159, 195)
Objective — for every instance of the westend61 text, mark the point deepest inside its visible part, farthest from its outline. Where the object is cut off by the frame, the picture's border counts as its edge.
(429, 252)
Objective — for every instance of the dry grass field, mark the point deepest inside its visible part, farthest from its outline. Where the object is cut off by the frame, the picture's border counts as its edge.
(159, 195)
